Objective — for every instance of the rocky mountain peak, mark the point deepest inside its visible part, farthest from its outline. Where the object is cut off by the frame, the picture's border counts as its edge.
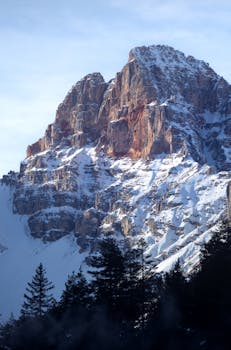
(143, 111)
(76, 117)
(173, 74)
(83, 92)
(146, 153)
(167, 58)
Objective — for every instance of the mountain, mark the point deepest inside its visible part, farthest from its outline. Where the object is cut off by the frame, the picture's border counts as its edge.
(145, 155)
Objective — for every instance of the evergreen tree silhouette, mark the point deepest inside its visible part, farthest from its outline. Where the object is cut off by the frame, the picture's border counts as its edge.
(76, 292)
(211, 288)
(38, 298)
(107, 273)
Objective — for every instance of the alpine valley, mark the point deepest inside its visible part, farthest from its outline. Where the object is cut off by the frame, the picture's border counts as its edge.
(147, 154)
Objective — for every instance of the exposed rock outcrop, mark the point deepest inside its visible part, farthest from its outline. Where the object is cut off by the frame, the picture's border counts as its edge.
(76, 118)
(143, 111)
(138, 155)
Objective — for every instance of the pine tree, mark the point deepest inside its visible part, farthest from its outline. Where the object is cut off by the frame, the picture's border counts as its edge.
(68, 295)
(108, 273)
(173, 303)
(144, 281)
(76, 292)
(131, 283)
(6, 331)
(38, 298)
(212, 285)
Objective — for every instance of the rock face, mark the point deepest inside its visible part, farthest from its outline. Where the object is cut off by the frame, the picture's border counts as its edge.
(147, 153)
(76, 118)
(144, 110)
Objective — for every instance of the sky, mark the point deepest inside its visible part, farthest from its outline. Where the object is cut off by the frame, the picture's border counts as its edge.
(48, 45)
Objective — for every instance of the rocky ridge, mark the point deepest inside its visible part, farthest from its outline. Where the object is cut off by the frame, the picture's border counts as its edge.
(146, 154)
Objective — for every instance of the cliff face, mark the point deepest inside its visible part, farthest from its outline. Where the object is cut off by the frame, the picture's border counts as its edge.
(76, 118)
(144, 110)
(147, 153)
(157, 94)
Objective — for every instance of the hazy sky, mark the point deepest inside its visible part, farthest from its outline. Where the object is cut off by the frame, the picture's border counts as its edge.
(48, 45)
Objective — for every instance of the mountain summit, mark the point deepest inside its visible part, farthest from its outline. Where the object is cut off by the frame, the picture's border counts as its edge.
(146, 154)
(143, 111)
(164, 115)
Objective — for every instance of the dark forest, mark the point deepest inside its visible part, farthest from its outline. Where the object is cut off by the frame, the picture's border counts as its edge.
(125, 305)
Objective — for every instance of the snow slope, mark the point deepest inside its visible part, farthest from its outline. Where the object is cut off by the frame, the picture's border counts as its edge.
(172, 202)
(20, 254)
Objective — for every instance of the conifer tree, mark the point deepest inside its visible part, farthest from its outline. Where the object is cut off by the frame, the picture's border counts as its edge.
(173, 303)
(68, 295)
(107, 272)
(144, 281)
(212, 285)
(131, 283)
(37, 297)
(76, 292)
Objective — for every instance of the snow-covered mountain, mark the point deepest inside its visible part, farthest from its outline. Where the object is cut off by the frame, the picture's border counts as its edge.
(20, 254)
(147, 154)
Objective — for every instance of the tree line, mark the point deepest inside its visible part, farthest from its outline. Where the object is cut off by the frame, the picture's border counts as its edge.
(125, 304)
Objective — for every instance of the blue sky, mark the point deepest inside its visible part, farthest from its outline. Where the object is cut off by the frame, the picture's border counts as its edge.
(46, 46)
